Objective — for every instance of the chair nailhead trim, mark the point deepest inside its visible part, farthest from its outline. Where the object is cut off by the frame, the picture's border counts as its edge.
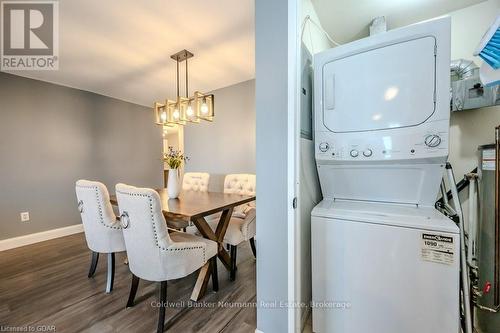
(154, 227)
(99, 206)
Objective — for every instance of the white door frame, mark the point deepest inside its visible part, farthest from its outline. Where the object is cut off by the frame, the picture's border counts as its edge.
(277, 115)
(294, 319)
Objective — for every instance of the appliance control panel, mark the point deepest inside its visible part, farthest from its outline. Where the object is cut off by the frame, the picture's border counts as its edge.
(423, 141)
(324, 146)
(432, 140)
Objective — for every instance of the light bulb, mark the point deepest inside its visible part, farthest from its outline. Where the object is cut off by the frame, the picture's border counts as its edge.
(176, 114)
(204, 108)
(189, 111)
(163, 116)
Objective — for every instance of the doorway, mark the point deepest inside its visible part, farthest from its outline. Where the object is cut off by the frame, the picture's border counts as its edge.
(173, 138)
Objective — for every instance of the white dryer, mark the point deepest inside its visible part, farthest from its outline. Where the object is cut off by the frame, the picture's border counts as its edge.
(383, 259)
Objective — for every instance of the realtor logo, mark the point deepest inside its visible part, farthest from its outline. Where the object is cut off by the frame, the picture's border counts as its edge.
(29, 35)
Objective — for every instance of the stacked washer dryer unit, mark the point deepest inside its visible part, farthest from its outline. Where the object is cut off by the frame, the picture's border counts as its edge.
(383, 259)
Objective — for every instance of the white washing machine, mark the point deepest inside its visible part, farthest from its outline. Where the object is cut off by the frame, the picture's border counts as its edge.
(381, 268)
(383, 259)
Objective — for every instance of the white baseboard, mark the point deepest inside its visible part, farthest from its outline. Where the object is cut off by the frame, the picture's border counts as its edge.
(11, 243)
(258, 331)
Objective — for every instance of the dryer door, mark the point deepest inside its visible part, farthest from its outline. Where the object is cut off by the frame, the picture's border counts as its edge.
(391, 86)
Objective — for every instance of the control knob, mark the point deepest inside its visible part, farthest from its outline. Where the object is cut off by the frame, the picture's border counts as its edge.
(323, 147)
(432, 140)
(367, 153)
(354, 153)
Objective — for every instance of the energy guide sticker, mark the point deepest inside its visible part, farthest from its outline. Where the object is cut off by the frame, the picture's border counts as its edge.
(437, 248)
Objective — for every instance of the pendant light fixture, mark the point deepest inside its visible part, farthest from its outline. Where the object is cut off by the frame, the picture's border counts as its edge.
(184, 109)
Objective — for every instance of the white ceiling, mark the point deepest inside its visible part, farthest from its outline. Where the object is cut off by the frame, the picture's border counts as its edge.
(122, 48)
(347, 20)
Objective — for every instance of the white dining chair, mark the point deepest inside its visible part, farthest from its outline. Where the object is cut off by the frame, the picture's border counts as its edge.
(195, 181)
(192, 181)
(103, 231)
(154, 254)
(242, 224)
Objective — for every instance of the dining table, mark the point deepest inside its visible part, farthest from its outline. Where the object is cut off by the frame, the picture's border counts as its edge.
(196, 206)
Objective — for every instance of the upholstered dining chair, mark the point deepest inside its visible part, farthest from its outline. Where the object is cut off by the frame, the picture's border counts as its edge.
(242, 224)
(195, 181)
(192, 181)
(154, 254)
(103, 231)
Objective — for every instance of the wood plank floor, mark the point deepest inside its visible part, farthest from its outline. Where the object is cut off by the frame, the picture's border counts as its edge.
(47, 284)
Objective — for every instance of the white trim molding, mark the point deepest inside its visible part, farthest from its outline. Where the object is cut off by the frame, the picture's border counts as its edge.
(258, 331)
(12, 243)
(293, 162)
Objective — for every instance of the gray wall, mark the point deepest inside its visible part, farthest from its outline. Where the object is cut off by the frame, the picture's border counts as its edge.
(272, 19)
(226, 145)
(50, 136)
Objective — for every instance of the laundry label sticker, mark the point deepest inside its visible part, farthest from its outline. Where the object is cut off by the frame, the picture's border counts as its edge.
(438, 248)
(488, 159)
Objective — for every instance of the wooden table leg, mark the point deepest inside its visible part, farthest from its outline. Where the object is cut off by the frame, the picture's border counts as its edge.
(204, 228)
(207, 232)
(218, 236)
(220, 232)
(200, 286)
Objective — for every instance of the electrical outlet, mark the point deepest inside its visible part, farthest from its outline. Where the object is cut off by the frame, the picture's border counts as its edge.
(25, 216)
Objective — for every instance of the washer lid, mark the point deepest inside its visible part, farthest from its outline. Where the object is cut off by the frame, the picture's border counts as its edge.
(427, 218)
(388, 86)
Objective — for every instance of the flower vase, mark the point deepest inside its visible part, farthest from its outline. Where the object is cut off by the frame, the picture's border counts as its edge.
(173, 185)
